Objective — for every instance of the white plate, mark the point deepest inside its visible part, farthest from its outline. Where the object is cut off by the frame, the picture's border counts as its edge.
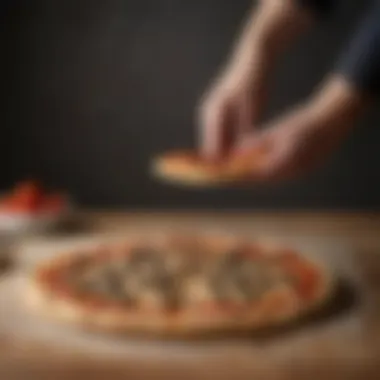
(11, 223)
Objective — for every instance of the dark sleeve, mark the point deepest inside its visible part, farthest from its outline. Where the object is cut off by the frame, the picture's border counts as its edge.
(360, 62)
(320, 7)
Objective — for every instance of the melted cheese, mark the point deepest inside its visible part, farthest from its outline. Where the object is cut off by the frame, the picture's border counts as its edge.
(158, 280)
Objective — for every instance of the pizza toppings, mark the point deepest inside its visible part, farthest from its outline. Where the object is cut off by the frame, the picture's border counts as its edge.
(171, 279)
(236, 278)
(170, 286)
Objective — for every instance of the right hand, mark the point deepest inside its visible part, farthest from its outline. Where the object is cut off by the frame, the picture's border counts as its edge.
(235, 103)
(232, 106)
(303, 138)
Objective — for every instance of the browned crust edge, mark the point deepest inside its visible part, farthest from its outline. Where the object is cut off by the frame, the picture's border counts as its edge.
(166, 168)
(44, 302)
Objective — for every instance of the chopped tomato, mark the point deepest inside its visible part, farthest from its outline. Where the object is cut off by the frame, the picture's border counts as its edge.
(17, 205)
(26, 197)
(30, 197)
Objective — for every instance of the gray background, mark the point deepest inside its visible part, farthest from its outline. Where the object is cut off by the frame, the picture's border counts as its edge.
(93, 88)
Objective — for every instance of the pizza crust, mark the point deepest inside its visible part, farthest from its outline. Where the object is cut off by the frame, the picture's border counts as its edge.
(277, 308)
(189, 168)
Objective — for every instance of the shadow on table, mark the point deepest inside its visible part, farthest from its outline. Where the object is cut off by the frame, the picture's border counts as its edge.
(345, 299)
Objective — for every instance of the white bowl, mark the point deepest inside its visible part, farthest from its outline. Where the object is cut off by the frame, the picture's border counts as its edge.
(30, 223)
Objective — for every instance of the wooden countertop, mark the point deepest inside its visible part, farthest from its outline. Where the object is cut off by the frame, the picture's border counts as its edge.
(362, 231)
(311, 222)
(357, 228)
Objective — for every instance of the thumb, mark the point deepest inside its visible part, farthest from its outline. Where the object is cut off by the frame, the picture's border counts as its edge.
(252, 141)
(245, 115)
(209, 131)
(216, 135)
(250, 110)
(279, 164)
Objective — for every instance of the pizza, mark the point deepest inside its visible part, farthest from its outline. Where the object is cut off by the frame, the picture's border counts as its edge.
(188, 167)
(179, 286)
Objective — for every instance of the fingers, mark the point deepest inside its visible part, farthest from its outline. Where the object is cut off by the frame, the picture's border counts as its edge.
(244, 115)
(278, 159)
(287, 158)
(216, 131)
(225, 118)
(278, 165)
(256, 140)
(250, 107)
(210, 124)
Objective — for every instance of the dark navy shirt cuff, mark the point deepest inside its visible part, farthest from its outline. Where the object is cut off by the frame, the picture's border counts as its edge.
(360, 63)
(319, 7)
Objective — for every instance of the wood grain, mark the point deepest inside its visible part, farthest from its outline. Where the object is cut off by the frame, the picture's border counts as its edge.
(332, 360)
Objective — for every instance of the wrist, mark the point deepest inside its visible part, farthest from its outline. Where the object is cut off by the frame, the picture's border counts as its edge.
(338, 103)
(269, 30)
(278, 23)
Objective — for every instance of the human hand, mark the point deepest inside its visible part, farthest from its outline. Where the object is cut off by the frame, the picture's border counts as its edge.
(305, 137)
(236, 101)
(233, 105)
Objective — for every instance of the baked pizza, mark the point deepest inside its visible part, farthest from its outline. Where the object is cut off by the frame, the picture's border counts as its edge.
(188, 167)
(179, 287)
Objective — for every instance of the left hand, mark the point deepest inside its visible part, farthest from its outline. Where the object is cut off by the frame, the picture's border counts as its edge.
(304, 138)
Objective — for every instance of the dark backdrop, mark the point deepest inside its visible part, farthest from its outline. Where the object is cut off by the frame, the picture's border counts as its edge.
(93, 88)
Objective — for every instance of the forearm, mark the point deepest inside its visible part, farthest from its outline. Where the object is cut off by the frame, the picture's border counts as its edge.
(269, 28)
(337, 103)
(355, 82)
(318, 7)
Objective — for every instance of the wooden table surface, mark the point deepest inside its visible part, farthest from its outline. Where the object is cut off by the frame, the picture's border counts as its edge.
(19, 360)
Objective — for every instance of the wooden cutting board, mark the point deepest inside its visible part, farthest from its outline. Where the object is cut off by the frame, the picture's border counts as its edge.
(335, 338)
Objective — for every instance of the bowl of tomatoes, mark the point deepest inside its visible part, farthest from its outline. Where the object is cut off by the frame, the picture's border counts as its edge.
(29, 207)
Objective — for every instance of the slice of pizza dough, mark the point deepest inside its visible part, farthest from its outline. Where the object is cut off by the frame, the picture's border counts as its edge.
(188, 168)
